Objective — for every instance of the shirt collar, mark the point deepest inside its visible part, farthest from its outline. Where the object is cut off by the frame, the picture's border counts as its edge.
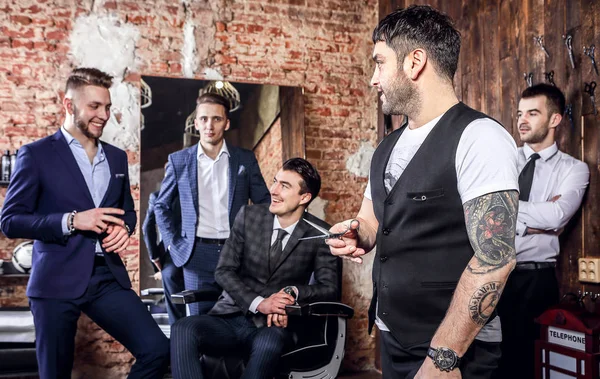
(289, 229)
(545, 154)
(71, 140)
(224, 150)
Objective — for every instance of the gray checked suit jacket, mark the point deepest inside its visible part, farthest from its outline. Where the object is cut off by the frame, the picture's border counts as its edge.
(243, 269)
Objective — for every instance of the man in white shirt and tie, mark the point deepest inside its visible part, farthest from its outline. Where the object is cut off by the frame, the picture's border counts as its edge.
(211, 180)
(552, 185)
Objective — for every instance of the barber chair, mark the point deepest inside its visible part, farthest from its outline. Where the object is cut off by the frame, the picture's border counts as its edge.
(318, 343)
(156, 308)
(17, 343)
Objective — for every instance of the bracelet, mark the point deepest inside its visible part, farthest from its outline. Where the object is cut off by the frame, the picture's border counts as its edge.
(71, 221)
(128, 230)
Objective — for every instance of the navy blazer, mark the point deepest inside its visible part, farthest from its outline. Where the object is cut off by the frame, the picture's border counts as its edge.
(46, 184)
(181, 179)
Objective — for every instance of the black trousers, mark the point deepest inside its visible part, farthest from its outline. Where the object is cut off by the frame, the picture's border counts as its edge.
(219, 335)
(398, 362)
(528, 293)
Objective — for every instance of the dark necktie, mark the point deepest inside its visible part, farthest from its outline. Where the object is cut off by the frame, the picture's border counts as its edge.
(276, 249)
(526, 177)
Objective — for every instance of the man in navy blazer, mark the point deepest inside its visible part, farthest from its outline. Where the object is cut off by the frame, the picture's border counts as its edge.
(70, 193)
(213, 180)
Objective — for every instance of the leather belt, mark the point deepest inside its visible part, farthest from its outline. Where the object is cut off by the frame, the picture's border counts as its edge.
(211, 241)
(534, 265)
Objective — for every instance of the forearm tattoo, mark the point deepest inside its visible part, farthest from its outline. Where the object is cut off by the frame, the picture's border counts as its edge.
(484, 301)
(491, 220)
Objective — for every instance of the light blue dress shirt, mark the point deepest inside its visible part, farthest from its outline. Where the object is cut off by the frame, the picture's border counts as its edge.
(96, 175)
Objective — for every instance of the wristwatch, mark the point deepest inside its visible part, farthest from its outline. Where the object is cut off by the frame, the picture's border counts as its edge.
(444, 359)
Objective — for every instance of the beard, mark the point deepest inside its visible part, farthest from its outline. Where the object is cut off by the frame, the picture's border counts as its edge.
(401, 97)
(83, 125)
(539, 135)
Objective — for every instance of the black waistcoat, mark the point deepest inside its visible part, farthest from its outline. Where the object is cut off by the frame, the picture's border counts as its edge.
(422, 242)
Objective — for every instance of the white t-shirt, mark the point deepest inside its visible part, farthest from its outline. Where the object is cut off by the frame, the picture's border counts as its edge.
(486, 162)
(486, 158)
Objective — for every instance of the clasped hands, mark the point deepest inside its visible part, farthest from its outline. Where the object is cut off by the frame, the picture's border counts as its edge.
(102, 220)
(274, 307)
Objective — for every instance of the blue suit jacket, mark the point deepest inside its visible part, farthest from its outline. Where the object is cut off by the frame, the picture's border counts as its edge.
(181, 179)
(46, 184)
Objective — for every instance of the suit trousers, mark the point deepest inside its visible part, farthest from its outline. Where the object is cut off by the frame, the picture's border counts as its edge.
(398, 362)
(528, 293)
(222, 334)
(199, 273)
(118, 311)
(172, 281)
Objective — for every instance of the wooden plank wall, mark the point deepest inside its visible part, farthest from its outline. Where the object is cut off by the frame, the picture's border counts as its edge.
(497, 48)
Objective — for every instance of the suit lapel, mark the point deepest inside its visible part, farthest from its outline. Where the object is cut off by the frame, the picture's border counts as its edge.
(112, 161)
(291, 244)
(192, 166)
(64, 152)
(234, 166)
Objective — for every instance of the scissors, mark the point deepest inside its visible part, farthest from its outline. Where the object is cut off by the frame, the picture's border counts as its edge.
(590, 89)
(326, 233)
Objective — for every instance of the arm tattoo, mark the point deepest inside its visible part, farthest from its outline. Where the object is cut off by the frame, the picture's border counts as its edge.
(484, 301)
(491, 220)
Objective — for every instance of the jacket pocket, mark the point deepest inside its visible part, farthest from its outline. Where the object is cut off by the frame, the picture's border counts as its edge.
(425, 195)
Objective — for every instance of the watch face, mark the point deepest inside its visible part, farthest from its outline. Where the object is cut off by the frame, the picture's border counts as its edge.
(445, 359)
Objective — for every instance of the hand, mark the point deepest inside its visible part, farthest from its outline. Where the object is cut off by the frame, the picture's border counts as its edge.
(347, 246)
(429, 371)
(275, 303)
(277, 320)
(158, 275)
(529, 230)
(157, 264)
(117, 239)
(97, 219)
(554, 198)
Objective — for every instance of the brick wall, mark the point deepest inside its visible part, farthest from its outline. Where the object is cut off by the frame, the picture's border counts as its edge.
(322, 46)
(268, 152)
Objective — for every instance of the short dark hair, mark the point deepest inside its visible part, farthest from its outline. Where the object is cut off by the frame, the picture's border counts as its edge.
(555, 99)
(214, 98)
(86, 76)
(311, 180)
(422, 26)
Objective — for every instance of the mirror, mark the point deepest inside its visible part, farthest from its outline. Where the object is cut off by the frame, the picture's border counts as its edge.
(269, 121)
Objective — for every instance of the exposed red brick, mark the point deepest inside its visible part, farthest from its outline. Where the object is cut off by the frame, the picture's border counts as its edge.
(23, 20)
(221, 26)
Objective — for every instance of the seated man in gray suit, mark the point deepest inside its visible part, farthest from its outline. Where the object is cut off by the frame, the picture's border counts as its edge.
(262, 262)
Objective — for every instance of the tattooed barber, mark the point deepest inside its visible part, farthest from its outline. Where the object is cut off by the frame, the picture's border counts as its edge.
(440, 207)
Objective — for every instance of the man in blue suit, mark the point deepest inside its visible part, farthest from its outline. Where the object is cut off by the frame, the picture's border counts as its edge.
(213, 180)
(70, 193)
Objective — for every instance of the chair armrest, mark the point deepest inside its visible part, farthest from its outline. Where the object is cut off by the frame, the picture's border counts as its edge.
(152, 291)
(320, 309)
(194, 296)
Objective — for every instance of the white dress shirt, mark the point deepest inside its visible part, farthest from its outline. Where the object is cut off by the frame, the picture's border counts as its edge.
(556, 173)
(213, 194)
(276, 226)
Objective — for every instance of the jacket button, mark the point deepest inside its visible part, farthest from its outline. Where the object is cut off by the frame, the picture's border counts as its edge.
(386, 231)
(383, 259)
